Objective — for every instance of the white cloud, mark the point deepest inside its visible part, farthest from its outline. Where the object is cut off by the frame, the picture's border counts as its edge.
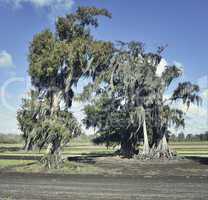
(161, 67)
(178, 64)
(42, 3)
(6, 60)
(205, 94)
(194, 110)
(196, 119)
(54, 7)
(77, 110)
(8, 121)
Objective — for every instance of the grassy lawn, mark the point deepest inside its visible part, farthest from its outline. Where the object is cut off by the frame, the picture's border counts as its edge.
(31, 166)
(5, 163)
(73, 149)
(190, 148)
(13, 158)
(182, 148)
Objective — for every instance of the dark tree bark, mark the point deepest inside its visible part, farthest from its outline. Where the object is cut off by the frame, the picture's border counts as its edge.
(53, 157)
(28, 146)
(128, 149)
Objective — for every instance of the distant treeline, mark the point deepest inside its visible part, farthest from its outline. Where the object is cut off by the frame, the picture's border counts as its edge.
(189, 137)
(14, 138)
(10, 138)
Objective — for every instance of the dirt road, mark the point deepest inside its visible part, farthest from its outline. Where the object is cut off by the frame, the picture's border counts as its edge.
(67, 187)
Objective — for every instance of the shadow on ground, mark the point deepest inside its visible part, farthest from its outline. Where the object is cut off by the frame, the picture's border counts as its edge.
(5, 149)
(19, 157)
(89, 158)
(201, 160)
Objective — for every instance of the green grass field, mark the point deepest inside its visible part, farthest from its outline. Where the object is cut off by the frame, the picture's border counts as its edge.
(183, 148)
(13, 157)
(190, 148)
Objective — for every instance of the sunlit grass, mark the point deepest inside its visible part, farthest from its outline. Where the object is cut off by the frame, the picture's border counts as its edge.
(11, 145)
(31, 166)
(80, 148)
(14, 163)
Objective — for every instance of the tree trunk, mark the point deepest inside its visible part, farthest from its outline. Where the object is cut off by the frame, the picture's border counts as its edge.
(55, 104)
(53, 157)
(146, 148)
(127, 149)
(28, 144)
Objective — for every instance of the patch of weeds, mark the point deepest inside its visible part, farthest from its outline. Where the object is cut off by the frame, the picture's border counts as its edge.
(77, 168)
(7, 164)
(34, 167)
(7, 196)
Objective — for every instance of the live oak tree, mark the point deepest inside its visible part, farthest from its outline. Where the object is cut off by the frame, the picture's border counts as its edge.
(57, 60)
(130, 103)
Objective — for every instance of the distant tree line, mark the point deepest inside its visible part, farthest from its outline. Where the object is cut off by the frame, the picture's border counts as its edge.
(10, 138)
(189, 137)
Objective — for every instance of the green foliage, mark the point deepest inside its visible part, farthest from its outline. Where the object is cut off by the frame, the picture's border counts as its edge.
(41, 127)
(191, 137)
(57, 60)
(74, 25)
(187, 92)
(133, 92)
(128, 92)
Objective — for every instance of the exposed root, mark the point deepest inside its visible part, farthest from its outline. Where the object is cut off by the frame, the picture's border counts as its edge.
(161, 151)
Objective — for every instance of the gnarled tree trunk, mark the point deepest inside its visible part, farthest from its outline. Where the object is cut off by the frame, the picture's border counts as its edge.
(28, 144)
(127, 149)
(53, 157)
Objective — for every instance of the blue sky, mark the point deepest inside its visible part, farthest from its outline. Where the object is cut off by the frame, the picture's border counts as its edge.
(182, 25)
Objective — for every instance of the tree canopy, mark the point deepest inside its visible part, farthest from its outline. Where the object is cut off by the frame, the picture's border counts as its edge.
(126, 92)
(57, 60)
(129, 100)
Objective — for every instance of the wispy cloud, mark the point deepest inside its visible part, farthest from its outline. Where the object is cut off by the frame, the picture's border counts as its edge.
(196, 119)
(54, 7)
(41, 3)
(203, 82)
(6, 60)
(178, 64)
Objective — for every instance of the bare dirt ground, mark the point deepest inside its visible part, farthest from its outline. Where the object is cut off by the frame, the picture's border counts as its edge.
(120, 179)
